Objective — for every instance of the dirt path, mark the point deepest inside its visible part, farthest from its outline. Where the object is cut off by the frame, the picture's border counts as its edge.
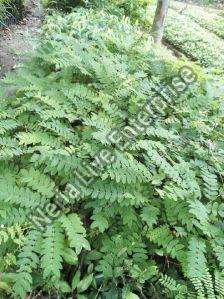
(17, 40)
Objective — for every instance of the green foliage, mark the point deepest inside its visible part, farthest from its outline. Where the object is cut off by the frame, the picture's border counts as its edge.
(204, 47)
(65, 5)
(172, 288)
(209, 286)
(196, 258)
(150, 223)
(75, 232)
(192, 40)
(3, 13)
(207, 19)
(27, 261)
(134, 9)
(10, 11)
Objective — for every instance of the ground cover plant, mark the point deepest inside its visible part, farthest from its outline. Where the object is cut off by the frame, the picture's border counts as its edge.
(134, 9)
(150, 223)
(206, 19)
(192, 40)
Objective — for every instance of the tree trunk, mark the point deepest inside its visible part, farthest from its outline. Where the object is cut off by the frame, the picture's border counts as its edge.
(159, 21)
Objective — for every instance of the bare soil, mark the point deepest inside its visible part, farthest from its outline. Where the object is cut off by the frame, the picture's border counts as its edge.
(17, 40)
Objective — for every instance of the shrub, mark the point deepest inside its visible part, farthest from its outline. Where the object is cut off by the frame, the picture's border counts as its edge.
(10, 11)
(64, 5)
(135, 9)
(3, 13)
(131, 8)
(150, 222)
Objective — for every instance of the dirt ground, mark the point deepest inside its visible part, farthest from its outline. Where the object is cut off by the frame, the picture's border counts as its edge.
(17, 40)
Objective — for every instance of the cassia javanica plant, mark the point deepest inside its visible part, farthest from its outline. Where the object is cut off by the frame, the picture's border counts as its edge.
(150, 225)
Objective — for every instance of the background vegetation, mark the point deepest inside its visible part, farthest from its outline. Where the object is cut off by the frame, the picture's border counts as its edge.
(10, 11)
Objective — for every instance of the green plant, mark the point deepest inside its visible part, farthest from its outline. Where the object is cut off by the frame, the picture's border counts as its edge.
(206, 19)
(64, 5)
(10, 11)
(135, 9)
(133, 231)
(192, 40)
(3, 12)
